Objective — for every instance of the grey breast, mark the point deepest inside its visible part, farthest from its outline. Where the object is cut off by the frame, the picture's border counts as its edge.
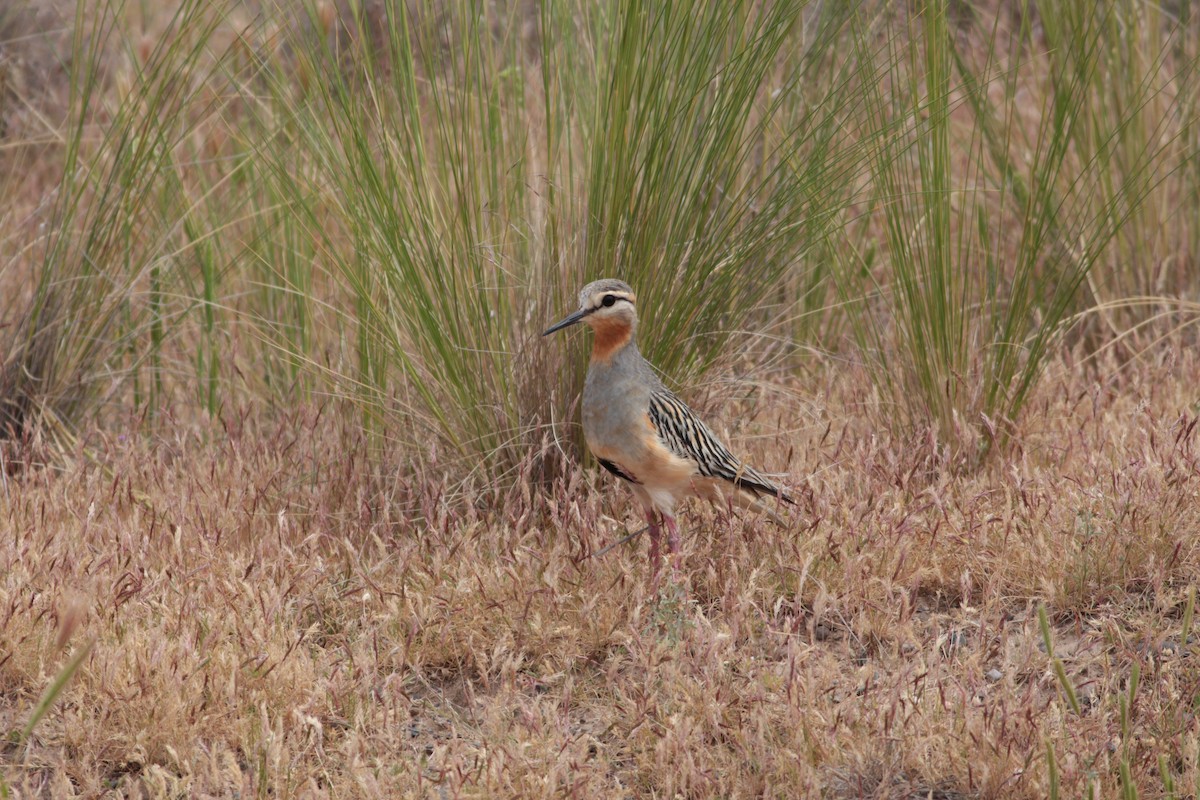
(616, 398)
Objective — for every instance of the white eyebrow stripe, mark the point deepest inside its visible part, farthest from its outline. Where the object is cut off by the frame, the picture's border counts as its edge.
(597, 300)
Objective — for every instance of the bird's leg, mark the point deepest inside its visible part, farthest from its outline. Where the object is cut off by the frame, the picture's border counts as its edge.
(673, 541)
(655, 552)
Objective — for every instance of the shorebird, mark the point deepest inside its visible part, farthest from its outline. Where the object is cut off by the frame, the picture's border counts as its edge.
(645, 435)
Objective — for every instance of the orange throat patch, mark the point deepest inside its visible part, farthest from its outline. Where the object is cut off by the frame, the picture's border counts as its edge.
(611, 336)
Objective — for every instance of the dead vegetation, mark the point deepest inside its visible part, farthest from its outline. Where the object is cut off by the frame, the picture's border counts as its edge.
(272, 616)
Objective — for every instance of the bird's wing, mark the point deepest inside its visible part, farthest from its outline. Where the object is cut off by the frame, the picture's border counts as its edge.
(682, 432)
(618, 470)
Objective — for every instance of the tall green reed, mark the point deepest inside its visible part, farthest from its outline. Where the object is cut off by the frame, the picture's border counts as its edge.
(408, 194)
(1142, 130)
(118, 238)
(465, 173)
(990, 218)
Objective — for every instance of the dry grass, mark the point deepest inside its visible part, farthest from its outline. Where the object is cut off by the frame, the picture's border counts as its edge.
(273, 617)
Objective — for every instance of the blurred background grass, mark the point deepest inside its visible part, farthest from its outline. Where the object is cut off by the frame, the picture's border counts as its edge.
(387, 201)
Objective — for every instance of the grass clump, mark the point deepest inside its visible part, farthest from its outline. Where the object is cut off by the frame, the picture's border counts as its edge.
(997, 213)
(389, 203)
(120, 256)
(463, 195)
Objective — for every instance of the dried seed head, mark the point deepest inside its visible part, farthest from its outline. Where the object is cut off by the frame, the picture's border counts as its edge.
(72, 613)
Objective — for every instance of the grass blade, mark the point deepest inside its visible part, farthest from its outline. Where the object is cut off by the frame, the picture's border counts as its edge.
(56, 687)
(1060, 671)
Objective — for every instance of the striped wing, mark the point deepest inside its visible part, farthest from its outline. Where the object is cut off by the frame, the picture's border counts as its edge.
(617, 470)
(687, 437)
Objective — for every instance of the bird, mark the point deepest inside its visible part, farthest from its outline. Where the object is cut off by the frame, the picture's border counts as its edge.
(639, 431)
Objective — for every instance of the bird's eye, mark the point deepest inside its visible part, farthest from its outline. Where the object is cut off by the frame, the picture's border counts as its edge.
(609, 299)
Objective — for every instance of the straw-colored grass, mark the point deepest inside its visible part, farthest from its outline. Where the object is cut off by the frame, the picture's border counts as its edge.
(271, 615)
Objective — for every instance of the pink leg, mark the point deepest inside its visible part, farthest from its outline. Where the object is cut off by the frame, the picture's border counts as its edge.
(673, 542)
(655, 551)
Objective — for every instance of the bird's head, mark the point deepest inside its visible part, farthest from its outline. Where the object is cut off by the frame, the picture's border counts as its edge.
(607, 305)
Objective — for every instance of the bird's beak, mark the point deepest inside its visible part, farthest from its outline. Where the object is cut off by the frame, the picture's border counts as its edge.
(566, 323)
